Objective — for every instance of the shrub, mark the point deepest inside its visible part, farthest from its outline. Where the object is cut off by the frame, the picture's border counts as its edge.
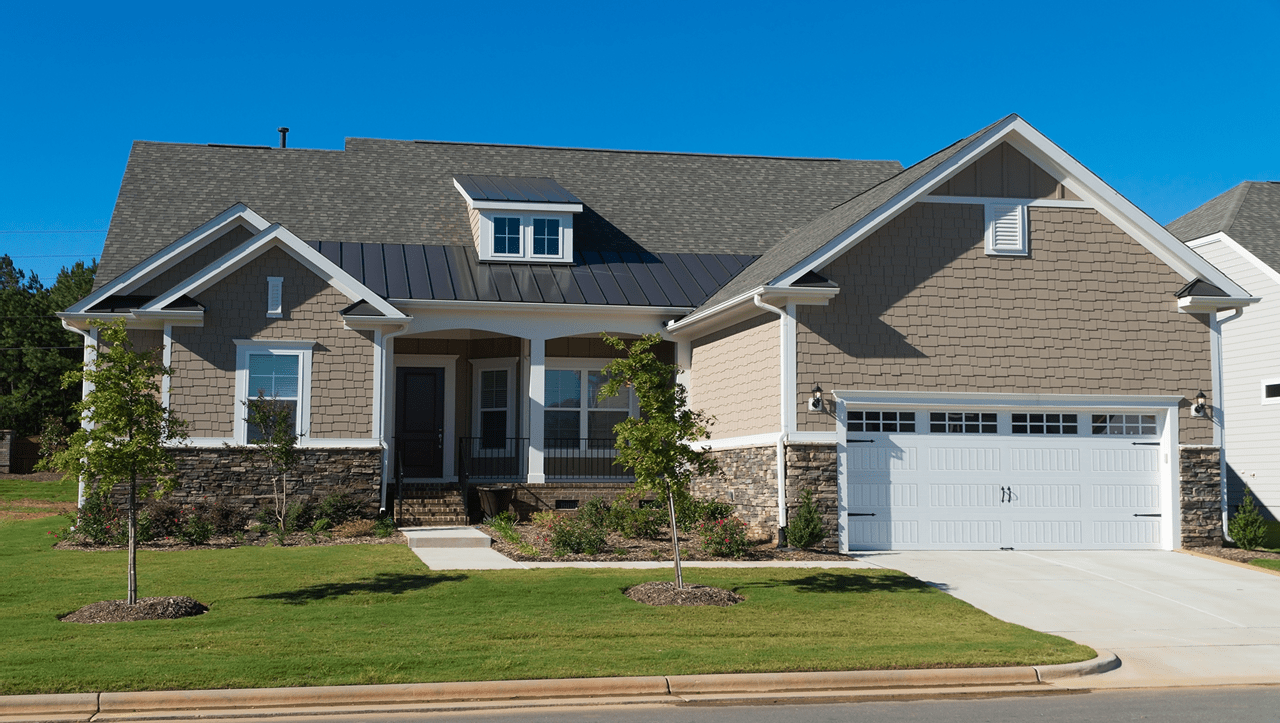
(1247, 526)
(353, 528)
(637, 522)
(226, 519)
(340, 507)
(196, 528)
(691, 511)
(299, 516)
(805, 528)
(596, 512)
(543, 519)
(724, 538)
(384, 526)
(317, 528)
(99, 521)
(166, 517)
(504, 523)
(569, 534)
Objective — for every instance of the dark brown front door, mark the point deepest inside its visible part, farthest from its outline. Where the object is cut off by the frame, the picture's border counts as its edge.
(420, 420)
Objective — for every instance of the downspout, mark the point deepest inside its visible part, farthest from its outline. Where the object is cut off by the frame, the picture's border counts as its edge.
(782, 416)
(1219, 430)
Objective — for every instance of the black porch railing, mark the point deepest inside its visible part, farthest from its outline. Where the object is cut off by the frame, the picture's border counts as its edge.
(482, 459)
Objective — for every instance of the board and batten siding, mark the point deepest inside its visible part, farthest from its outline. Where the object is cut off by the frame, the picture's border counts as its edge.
(1250, 354)
(922, 307)
(202, 390)
(735, 377)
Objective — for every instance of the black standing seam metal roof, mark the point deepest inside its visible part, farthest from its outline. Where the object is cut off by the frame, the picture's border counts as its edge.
(455, 273)
(507, 188)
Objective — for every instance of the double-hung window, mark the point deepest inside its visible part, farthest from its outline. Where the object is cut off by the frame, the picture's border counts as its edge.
(278, 372)
(511, 236)
(574, 416)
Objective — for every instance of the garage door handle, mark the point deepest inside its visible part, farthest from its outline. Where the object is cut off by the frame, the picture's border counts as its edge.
(1146, 444)
(861, 440)
(861, 514)
(1147, 514)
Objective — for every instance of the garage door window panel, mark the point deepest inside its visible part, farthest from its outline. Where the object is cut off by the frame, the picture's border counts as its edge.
(1125, 424)
(871, 421)
(962, 422)
(1050, 424)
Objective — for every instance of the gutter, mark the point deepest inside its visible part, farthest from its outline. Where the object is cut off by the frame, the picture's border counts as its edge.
(782, 416)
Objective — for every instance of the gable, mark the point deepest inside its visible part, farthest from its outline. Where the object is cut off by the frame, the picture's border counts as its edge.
(1004, 172)
(188, 266)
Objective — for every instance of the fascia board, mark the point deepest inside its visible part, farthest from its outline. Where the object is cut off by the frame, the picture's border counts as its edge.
(989, 400)
(603, 310)
(170, 255)
(275, 236)
(1244, 253)
(859, 231)
(1213, 304)
(729, 312)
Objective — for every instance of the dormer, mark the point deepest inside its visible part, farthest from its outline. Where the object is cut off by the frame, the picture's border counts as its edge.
(520, 219)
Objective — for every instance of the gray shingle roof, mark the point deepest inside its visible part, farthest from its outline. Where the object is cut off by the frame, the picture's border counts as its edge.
(807, 239)
(402, 192)
(1249, 213)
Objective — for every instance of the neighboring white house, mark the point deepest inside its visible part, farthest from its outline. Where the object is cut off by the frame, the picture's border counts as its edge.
(1239, 232)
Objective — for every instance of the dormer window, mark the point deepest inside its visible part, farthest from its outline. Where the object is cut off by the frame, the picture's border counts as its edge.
(520, 219)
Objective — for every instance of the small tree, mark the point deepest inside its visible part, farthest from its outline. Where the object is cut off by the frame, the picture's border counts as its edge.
(125, 431)
(1247, 526)
(274, 438)
(805, 529)
(658, 446)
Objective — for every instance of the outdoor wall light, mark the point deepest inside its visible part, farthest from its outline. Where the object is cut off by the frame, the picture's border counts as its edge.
(1201, 407)
(815, 403)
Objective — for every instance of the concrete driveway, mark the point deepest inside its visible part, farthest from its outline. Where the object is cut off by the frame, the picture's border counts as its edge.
(1173, 619)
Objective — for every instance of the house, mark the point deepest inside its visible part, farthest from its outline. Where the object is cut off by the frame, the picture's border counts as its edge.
(1239, 233)
(991, 348)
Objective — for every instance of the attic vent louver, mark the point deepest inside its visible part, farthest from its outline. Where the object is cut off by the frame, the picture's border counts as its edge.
(275, 296)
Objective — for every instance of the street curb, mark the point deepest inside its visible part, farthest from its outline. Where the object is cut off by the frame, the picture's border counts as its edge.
(1106, 661)
(257, 701)
(1243, 565)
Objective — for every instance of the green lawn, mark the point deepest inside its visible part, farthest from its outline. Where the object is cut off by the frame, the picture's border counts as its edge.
(59, 491)
(1269, 564)
(373, 614)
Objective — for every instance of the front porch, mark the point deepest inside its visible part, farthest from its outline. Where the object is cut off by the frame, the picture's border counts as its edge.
(483, 421)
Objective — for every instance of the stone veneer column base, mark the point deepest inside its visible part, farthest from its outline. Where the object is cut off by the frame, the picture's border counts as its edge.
(1200, 495)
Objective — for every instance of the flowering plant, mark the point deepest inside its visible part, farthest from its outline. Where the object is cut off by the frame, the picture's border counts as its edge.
(724, 538)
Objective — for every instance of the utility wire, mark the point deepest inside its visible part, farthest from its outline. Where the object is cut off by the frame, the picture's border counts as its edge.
(91, 230)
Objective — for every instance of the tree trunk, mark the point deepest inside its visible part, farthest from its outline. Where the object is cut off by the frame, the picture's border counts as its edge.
(133, 539)
(675, 538)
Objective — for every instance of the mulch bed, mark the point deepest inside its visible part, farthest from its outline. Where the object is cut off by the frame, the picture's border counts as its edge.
(666, 593)
(147, 608)
(624, 549)
(1235, 553)
(297, 539)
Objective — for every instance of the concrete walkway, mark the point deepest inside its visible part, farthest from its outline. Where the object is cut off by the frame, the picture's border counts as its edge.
(1173, 619)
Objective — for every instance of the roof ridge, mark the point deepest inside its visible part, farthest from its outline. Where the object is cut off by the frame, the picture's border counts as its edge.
(1236, 203)
(634, 151)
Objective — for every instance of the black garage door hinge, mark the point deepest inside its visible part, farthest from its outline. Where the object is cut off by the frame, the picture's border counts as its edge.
(1146, 444)
(860, 440)
(1147, 514)
(861, 514)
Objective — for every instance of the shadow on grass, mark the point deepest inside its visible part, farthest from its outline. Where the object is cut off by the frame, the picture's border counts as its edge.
(827, 582)
(383, 582)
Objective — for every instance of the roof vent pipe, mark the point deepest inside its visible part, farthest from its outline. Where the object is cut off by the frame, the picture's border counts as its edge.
(284, 133)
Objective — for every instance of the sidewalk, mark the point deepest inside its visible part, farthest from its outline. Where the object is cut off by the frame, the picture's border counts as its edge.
(444, 697)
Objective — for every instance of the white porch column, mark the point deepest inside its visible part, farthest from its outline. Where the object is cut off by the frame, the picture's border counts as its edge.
(537, 398)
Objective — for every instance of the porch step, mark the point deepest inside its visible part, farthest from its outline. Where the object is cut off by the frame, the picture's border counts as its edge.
(446, 537)
(432, 507)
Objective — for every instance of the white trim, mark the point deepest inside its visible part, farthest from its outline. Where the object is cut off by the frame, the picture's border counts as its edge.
(517, 205)
(602, 310)
(996, 212)
(536, 386)
(205, 442)
(1040, 150)
(277, 236)
(1213, 304)
(309, 443)
(303, 350)
(994, 400)
(511, 366)
(984, 200)
(485, 242)
(766, 439)
(166, 258)
(166, 381)
(694, 323)
(449, 363)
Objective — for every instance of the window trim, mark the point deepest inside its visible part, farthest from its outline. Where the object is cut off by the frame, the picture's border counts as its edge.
(245, 347)
(990, 217)
(585, 365)
(1262, 391)
(526, 254)
(513, 392)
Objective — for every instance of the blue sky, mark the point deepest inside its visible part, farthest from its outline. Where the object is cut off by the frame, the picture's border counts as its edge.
(1171, 102)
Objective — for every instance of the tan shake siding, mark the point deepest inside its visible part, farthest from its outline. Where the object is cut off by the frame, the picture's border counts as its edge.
(189, 266)
(735, 377)
(1003, 172)
(474, 216)
(204, 359)
(923, 308)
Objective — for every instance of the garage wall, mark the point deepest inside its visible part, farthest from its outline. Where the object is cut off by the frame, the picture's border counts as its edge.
(922, 307)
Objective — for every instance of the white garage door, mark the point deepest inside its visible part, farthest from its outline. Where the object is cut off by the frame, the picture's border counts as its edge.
(955, 479)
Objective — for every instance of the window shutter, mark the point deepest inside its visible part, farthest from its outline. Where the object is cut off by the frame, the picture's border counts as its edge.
(1007, 229)
(275, 295)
